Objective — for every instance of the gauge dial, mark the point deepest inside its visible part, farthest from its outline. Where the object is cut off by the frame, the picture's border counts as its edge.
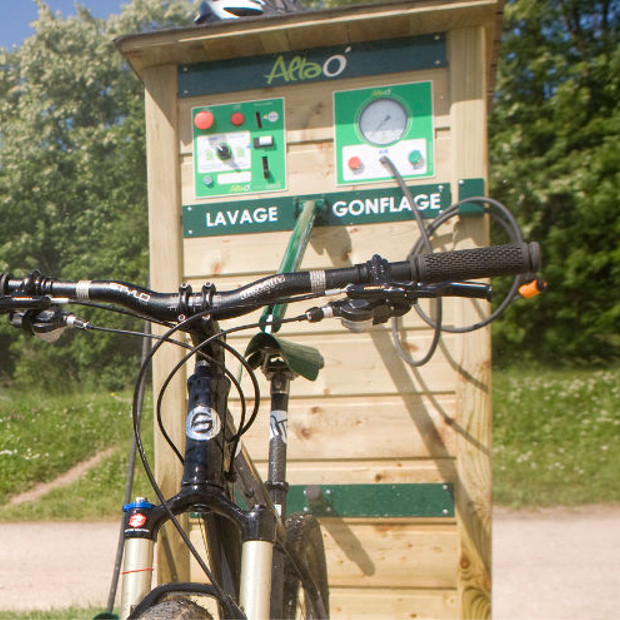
(383, 121)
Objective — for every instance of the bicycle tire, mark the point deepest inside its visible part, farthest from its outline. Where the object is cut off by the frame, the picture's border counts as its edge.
(300, 599)
(176, 609)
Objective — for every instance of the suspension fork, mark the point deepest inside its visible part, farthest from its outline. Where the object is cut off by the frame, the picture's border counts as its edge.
(258, 529)
(139, 542)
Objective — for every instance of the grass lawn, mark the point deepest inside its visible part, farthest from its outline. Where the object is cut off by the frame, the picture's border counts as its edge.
(44, 436)
(556, 436)
(556, 441)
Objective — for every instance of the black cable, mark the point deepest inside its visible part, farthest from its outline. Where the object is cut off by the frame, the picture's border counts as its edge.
(424, 236)
(426, 241)
(128, 487)
(137, 404)
(183, 325)
(117, 310)
(147, 469)
(511, 227)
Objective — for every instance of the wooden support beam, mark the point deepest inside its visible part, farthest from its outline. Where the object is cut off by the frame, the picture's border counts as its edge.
(164, 195)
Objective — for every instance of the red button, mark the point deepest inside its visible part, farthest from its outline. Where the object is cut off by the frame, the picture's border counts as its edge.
(204, 120)
(237, 119)
(355, 163)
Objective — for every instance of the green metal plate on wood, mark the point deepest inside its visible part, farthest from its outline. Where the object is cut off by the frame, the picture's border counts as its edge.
(370, 206)
(373, 500)
(471, 188)
(239, 148)
(347, 60)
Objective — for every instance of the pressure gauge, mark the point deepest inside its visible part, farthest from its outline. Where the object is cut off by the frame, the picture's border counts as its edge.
(383, 121)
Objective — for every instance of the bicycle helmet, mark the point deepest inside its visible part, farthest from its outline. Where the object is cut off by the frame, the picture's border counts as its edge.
(216, 10)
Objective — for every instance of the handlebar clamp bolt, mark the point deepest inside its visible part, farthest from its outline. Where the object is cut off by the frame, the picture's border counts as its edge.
(379, 269)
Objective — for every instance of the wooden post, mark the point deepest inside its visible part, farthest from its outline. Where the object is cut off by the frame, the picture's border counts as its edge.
(165, 275)
(473, 492)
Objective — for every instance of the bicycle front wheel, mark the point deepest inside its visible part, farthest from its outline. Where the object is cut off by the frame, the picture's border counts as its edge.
(176, 609)
(307, 595)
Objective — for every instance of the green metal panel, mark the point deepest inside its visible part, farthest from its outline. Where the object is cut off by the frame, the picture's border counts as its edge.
(347, 60)
(393, 121)
(240, 149)
(341, 208)
(471, 188)
(373, 500)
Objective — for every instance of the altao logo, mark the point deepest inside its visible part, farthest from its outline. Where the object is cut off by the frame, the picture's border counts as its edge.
(299, 69)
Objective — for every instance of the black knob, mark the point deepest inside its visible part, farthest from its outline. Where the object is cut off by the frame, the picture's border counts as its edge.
(223, 151)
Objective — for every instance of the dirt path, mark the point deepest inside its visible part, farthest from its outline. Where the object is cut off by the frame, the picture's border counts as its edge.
(554, 564)
(557, 564)
(69, 477)
(44, 565)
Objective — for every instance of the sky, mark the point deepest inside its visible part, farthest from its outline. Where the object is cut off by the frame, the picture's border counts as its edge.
(16, 15)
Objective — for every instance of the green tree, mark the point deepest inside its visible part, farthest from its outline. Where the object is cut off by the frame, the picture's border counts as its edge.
(555, 162)
(72, 166)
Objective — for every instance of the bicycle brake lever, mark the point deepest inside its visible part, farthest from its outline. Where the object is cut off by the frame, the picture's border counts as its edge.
(10, 303)
(471, 290)
(367, 305)
(47, 325)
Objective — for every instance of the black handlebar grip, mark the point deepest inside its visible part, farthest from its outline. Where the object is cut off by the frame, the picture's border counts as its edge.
(497, 260)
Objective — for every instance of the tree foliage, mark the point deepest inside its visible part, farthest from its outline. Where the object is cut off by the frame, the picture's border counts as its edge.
(555, 161)
(73, 181)
(72, 165)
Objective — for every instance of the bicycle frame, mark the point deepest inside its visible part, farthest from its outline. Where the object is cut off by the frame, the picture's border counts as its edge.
(206, 488)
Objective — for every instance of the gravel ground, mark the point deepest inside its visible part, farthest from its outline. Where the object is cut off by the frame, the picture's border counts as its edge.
(557, 564)
(548, 564)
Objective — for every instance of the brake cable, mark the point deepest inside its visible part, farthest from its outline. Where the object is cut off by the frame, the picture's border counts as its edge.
(510, 226)
(425, 238)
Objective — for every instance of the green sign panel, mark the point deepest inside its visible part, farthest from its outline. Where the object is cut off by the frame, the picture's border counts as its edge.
(340, 209)
(394, 122)
(239, 148)
(373, 500)
(347, 60)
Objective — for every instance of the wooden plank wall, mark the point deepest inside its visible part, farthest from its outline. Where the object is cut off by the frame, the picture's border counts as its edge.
(369, 418)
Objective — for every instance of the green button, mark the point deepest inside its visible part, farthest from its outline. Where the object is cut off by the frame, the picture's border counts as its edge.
(415, 157)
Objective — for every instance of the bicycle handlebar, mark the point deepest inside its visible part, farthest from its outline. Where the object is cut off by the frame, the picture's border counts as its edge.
(511, 259)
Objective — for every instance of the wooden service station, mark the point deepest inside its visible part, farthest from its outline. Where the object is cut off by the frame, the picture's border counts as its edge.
(306, 103)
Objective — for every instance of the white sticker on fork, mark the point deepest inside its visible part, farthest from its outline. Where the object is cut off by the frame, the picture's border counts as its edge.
(277, 424)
